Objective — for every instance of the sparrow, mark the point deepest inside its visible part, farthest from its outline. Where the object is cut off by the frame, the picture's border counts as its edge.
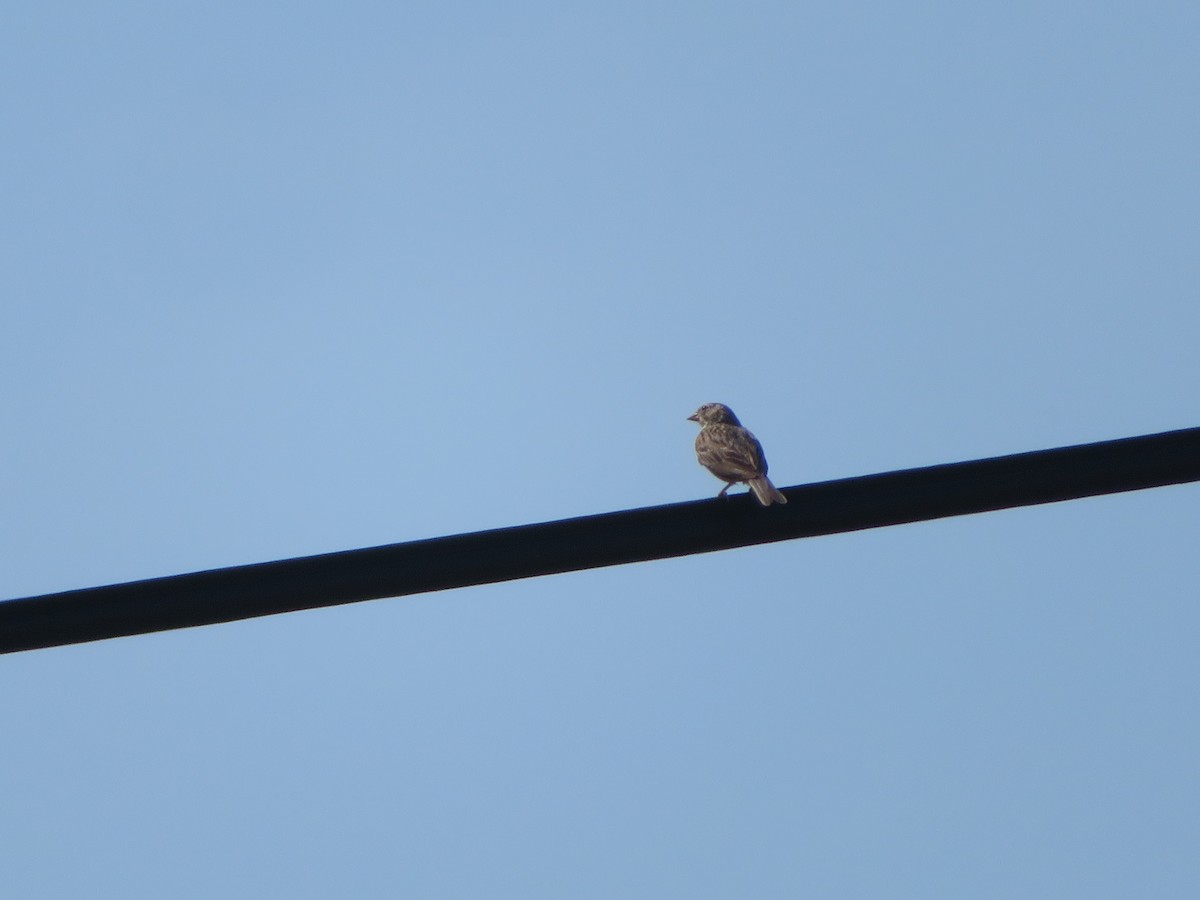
(732, 453)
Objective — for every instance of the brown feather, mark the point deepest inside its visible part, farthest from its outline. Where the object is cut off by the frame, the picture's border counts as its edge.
(732, 453)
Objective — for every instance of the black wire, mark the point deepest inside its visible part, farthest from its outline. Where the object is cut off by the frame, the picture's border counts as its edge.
(871, 501)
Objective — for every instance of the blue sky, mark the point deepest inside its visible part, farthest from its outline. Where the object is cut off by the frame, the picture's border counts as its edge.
(286, 279)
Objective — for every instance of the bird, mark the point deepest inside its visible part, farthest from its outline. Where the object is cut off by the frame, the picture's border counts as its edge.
(732, 453)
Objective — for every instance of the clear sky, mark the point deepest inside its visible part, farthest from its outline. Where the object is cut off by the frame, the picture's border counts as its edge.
(280, 279)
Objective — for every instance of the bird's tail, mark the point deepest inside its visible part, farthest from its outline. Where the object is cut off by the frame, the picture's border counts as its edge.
(766, 492)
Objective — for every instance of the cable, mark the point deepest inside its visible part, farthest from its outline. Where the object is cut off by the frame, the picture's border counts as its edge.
(851, 504)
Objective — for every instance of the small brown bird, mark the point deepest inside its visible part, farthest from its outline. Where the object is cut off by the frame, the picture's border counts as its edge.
(732, 453)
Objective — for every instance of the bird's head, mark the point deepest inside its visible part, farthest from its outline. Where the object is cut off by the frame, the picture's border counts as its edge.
(713, 414)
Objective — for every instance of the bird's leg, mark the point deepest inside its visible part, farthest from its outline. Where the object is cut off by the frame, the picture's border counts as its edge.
(723, 490)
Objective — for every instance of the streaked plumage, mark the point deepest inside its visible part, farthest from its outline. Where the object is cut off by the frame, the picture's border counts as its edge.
(732, 453)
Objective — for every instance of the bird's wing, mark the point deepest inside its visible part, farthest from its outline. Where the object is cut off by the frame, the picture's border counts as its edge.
(730, 452)
(760, 458)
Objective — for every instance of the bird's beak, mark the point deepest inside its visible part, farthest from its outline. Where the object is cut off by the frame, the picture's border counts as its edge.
(692, 418)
